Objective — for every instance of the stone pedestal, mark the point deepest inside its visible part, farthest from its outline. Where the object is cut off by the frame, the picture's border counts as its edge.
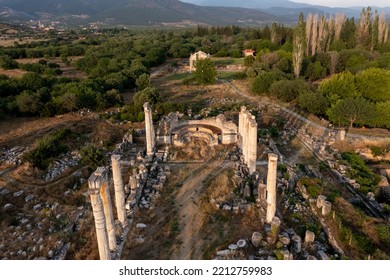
(326, 208)
(309, 237)
(320, 201)
(256, 239)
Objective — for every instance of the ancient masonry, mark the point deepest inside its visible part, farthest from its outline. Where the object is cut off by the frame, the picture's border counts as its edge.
(102, 211)
(247, 130)
(195, 57)
(149, 129)
(143, 187)
(271, 186)
(214, 131)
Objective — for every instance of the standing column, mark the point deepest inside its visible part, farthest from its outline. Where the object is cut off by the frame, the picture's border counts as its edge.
(107, 207)
(245, 136)
(240, 126)
(271, 186)
(94, 183)
(149, 129)
(248, 140)
(252, 147)
(119, 189)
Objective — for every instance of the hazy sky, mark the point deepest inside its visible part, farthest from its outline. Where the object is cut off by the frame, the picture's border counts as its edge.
(346, 3)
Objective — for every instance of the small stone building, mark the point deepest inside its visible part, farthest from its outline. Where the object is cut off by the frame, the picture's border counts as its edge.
(249, 52)
(195, 57)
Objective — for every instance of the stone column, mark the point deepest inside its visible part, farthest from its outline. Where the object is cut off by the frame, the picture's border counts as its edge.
(95, 182)
(107, 207)
(245, 135)
(149, 129)
(119, 190)
(271, 186)
(241, 126)
(252, 146)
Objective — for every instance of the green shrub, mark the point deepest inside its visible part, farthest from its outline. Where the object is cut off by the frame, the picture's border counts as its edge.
(92, 156)
(262, 82)
(384, 234)
(377, 151)
(47, 148)
(361, 173)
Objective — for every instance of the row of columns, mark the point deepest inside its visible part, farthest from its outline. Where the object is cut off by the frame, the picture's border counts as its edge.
(99, 191)
(247, 130)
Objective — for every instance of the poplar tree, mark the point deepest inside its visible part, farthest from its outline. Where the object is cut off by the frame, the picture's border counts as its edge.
(299, 45)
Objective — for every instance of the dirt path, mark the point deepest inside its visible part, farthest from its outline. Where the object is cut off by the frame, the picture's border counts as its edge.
(188, 200)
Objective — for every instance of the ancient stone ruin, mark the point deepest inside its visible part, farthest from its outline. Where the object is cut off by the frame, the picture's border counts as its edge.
(271, 186)
(248, 138)
(214, 131)
(142, 187)
(149, 129)
(195, 57)
(102, 211)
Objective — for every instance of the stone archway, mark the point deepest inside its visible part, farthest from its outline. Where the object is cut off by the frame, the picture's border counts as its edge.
(215, 131)
(186, 133)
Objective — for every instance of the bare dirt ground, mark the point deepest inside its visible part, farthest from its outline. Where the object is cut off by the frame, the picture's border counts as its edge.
(13, 73)
(191, 216)
(23, 131)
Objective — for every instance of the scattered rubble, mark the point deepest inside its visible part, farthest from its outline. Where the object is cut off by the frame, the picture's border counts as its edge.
(61, 164)
(13, 156)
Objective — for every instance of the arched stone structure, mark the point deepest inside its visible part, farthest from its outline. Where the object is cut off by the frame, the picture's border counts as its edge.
(213, 130)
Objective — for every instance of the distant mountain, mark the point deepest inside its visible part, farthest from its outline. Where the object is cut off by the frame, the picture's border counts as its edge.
(286, 10)
(252, 4)
(128, 12)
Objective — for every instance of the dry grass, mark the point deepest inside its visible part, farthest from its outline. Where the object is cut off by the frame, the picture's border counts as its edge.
(13, 73)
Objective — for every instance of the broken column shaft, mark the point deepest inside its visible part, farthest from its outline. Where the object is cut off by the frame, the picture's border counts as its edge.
(271, 186)
(119, 189)
(95, 182)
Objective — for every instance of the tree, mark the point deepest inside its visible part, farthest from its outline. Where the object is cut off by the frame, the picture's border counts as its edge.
(299, 45)
(149, 94)
(348, 33)
(6, 62)
(313, 102)
(315, 71)
(143, 81)
(382, 115)
(339, 86)
(287, 90)
(262, 82)
(205, 72)
(351, 110)
(374, 84)
(364, 28)
(29, 102)
(248, 60)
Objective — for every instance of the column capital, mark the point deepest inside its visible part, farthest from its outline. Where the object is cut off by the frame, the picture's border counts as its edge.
(272, 157)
